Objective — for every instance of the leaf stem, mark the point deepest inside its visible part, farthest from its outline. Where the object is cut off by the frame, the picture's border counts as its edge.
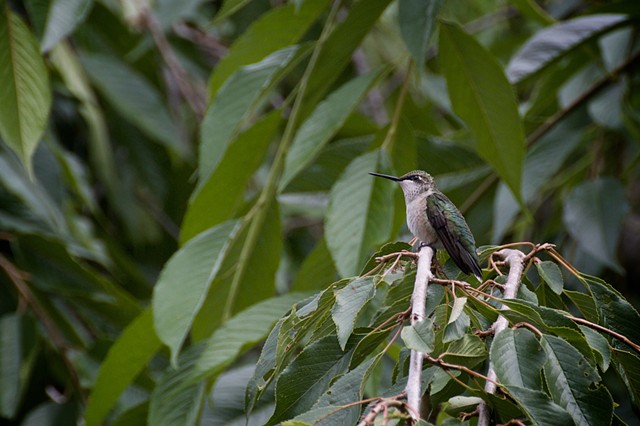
(259, 211)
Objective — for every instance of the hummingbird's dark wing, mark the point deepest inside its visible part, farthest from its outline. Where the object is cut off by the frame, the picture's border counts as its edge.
(453, 232)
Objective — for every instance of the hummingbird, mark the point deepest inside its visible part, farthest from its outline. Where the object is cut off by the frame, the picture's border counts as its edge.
(436, 221)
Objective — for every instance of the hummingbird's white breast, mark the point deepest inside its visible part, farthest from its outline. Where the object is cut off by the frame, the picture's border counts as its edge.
(418, 222)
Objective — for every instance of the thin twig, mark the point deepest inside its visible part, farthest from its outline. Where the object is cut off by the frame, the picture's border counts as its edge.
(605, 330)
(18, 279)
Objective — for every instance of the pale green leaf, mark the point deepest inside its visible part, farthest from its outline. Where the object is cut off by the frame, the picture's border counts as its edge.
(591, 220)
(574, 384)
(184, 283)
(63, 18)
(235, 103)
(217, 199)
(419, 336)
(553, 42)
(456, 328)
(265, 36)
(323, 123)
(126, 358)
(359, 214)
(469, 350)
(349, 301)
(417, 23)
(25, 96)
(484, 99)
(14, 367)
(458, 306)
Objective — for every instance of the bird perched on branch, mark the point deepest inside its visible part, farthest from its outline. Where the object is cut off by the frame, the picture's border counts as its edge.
(436, 221)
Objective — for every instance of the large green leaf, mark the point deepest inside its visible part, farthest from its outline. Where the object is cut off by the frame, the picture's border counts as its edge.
(246, 276)
(63, 18)
(184, 283)
(551, 274)
(18, 341)
(135, 98)
(614, 311)
(574, 384)
(337, 52)
(331, 408)
(235, 103)
(171, 400)
(517, 358)
(592, 222)
(417, 23)
(628, 366)
(308, 377)
(317, 271)
(484, 99)
(265, 36)
(126, 358)
(25, 96)
(542, 161)
(359, 214)
(217, 199)
(324, 122)
(349, 301)
(540, 409)
(553, 42)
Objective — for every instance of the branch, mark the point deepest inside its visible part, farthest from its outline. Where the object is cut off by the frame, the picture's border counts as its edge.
(418, 309)
(605, 330)
(515, 260)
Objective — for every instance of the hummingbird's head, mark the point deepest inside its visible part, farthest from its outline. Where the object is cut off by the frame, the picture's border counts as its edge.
(413, 183)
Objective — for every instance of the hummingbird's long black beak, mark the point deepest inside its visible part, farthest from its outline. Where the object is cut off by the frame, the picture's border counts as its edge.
(385, 176)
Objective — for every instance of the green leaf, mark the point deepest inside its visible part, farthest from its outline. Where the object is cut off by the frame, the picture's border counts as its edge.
(551, 43)
(457, 328)
(19, 347)
(229, 7)
(126, 358)
(317, 269)
(63, 18)
(543, 160)
(349, 302)
(517, 358)
(25, 96)
(135, 98)
(359, 214)
(308, 377)
(220, 196)
(265, 36)
(184, 283)
(324, 122)
(484, 99)
(244, 278)
(236, 102)
(209, 358)
(628, 366)
(540, 409)
(599, 345)
(337, 51)
(615, 312)
(419, 336)
(552, 275)
(345, 390)
(591, 221)
(417, 23)
(469, 350)
(574, 384)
